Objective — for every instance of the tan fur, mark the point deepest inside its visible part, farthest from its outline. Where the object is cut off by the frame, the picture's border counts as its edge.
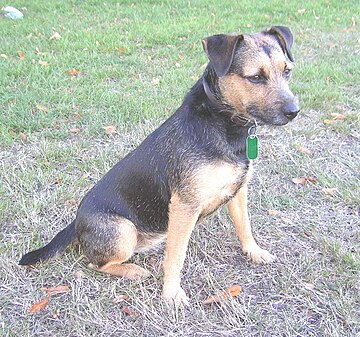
(117, 268)
(146, 241)
(239, 213)
(215, 184)
(182, 219)
(240, 93)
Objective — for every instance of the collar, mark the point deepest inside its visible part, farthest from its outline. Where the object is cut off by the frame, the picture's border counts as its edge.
(238, 120)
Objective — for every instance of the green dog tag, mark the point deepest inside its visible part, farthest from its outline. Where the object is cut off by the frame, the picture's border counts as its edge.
(252, 148)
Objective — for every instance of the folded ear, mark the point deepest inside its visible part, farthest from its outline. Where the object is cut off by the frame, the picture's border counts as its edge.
(284, 37)
(220, 50)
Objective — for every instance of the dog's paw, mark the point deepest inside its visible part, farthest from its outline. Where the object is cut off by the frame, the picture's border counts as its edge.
(175, 296)
(258, 255)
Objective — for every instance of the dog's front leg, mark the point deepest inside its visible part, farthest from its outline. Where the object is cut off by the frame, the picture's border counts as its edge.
(182, 219)
(239, 213)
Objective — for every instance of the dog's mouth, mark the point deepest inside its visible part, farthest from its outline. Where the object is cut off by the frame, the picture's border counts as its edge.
(272, 117)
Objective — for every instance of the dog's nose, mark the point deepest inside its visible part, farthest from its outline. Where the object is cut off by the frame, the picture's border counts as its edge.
(291, 110)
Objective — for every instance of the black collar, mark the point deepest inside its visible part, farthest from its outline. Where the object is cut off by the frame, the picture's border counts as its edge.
(238, 120)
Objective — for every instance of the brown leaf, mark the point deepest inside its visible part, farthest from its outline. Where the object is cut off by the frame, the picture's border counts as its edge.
(311, 180)
(44, 63)
(73, 72)
(129, 311)
(273, 212)
(329, 191)
(72, 202)
(233, 291)
(39, 305)
(74, 130)
(42, 108)
(155, 81)
(121, 50)
(338, 116)
(329, 121)
(62, 289)
(110, 129)
(309, 286)
(121, 298)
(303, 149)
(304, 180)
(301, 181)
(55, 36)
(286, 221)
(21, 55)
(23, 136)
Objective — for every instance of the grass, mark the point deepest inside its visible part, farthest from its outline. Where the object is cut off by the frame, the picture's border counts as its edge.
(136, 62)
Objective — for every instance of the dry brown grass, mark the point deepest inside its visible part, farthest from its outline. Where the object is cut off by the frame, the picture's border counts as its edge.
(312, 289)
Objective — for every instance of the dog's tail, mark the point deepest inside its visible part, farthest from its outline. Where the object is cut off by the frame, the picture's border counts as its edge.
(54, 248)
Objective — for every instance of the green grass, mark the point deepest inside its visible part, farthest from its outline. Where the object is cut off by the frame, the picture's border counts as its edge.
(137, 60)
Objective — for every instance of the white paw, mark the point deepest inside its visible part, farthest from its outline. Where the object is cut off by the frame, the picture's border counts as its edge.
(175, 296)
(258, 255)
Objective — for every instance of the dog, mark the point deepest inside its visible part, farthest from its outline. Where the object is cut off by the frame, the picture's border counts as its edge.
(195, 162)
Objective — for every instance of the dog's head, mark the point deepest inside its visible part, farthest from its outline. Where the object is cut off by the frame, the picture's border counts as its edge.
(253, 73)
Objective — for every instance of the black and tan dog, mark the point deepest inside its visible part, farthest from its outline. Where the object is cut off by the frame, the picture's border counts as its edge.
(191, 165)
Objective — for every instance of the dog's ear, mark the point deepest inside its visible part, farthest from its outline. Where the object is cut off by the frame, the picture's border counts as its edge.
(220, 50)
(284, 37)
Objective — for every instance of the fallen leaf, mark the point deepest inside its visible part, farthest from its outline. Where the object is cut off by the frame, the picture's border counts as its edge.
(21, 55)
(44, 63)
(62, 289)
(311, 180)
(301, 11)
(42, 107)
(39, 305)
(286, 220)
(23, 136)
(73, 72)
(38, 51)
(121, 50)
(304, 180)
(273, 212)
(309, 286)
(233, 291)
(110, 129)
(155, 81)
(129, 311)
(338, 116)
(329, 191)
(4, 56)
(72, 202)
(74, 130)
(301, 181)
(121, 298)
(329, 121)
(55, 36)
(303, 149)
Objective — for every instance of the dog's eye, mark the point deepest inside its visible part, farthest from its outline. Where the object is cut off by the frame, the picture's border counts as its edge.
(287, 73)
(255, 79)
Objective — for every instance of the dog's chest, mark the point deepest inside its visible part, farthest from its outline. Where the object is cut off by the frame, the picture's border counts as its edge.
(218, 183)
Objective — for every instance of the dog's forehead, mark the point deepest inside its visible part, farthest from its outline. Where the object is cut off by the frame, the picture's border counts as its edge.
(258, 51)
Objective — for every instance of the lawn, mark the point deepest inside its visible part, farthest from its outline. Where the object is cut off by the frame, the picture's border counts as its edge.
(83, 82)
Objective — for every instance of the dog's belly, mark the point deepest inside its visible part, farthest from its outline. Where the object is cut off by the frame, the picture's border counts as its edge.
(217, 184)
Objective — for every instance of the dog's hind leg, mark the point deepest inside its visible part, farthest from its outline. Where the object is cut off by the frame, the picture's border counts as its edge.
(117, 268)
(108, 243)
(239, 213)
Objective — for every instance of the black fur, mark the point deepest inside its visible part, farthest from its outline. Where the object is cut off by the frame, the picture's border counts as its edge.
(54, 248)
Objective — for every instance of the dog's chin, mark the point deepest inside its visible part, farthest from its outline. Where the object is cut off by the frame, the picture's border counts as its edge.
(275, 121)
